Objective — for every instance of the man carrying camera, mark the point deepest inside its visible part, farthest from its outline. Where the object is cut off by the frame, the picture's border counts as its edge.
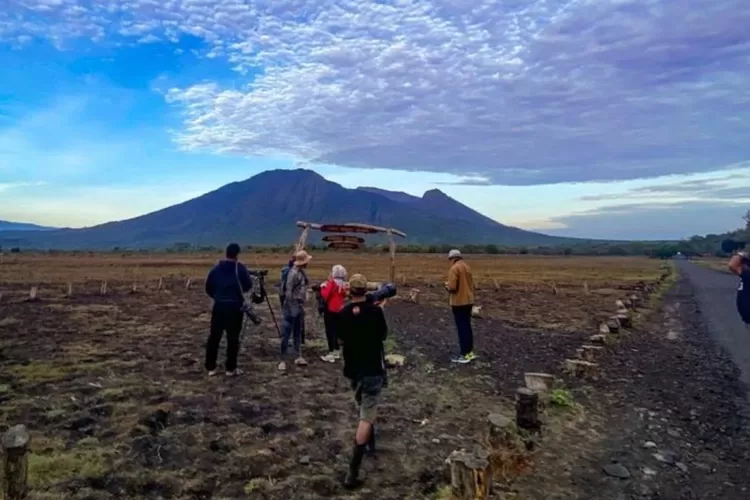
(226, 284)
(362, 330)
(739, 264)
(294, 308)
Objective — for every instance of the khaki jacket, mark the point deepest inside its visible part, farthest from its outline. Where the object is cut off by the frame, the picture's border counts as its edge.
(460, 284)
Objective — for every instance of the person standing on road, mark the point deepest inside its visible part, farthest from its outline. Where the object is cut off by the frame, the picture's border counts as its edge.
(460, 287)
(362, 330)
(226, 284)
(294, 308)
(333, 292)
(739, 264)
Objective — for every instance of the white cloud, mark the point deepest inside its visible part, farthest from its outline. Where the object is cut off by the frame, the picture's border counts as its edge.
(522, 92)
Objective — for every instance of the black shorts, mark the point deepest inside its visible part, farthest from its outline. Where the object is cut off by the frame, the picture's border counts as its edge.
(743, 306)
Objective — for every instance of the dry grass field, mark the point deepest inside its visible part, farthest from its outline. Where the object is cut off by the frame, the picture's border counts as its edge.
(113, 390)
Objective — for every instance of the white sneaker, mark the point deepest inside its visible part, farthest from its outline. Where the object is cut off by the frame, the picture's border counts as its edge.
(282, 366)
(329, 358)
(300, 361)
(213, 373)
(234, 373)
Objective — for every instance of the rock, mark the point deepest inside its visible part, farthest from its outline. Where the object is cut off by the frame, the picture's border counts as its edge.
(616, 470)
(649, 445)
(304, 460)
(393, 360)
(647, 471)
(682, 467)
(666, 457)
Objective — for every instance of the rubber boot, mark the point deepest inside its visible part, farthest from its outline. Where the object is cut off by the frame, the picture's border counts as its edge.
(371, 442)
(352, 478)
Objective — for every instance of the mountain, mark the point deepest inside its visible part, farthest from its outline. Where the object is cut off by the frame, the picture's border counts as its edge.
(22, 226)
(263, 210)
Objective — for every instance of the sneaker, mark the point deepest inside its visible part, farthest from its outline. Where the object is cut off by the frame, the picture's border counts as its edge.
(329, 358)
(234, 373)
(461, 359)
(300, 361)
(282, 366)
(471, 356)
(212, 373)
(337, 354)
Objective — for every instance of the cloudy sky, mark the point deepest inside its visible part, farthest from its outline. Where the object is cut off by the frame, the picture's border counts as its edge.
(606, 118)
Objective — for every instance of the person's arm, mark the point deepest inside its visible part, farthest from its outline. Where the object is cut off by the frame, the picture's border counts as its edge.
(735, 264)
(326, 289)
(210, 285)
(245, 279)
(342, 332)
(452, 284)
(382, 324)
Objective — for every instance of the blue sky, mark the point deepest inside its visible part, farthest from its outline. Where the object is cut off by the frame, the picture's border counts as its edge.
(603, 120)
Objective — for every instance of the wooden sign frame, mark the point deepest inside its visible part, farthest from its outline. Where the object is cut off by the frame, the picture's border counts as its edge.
(344, 245)
(353, 227)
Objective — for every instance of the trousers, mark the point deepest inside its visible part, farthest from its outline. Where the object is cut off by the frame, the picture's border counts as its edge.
(293, 327)
(462, 316)
(224, 319)
(331, 320)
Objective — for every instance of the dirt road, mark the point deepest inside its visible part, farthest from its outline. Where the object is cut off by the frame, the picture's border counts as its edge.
(715, 297)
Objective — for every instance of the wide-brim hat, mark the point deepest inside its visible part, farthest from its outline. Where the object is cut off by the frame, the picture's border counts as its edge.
(301, 258)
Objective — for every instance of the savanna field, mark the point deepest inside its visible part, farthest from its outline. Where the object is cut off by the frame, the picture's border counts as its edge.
(113, 391)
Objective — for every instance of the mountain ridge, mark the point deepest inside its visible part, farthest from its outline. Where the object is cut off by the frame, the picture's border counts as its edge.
(263, 210)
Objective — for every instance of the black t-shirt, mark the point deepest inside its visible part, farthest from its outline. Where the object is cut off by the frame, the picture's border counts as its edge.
(362, 329)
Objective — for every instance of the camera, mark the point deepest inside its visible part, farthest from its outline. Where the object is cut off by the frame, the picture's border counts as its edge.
(260, 273)
(386, 291)
(248, 310)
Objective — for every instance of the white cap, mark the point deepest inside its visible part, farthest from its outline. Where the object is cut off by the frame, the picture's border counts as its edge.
(454, 254)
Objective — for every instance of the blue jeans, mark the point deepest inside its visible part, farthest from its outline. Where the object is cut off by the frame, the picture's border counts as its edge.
(462, 315)
(293, 326)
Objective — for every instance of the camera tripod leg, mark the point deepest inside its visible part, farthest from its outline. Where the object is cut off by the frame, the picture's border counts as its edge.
(273, 316)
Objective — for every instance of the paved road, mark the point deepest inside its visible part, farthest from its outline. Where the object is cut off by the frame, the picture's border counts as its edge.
(715, 293)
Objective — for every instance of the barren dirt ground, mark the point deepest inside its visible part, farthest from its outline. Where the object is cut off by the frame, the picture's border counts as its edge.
(113, 390)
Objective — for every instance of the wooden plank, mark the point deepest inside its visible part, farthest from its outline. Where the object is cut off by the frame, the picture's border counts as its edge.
(344, 245)
(343, 238)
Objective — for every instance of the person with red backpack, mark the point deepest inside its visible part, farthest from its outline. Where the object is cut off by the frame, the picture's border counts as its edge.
(333, 294)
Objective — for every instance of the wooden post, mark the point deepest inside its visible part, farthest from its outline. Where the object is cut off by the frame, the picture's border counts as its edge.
(302, 238)
(496, 283)
(580, 368)
(103, 289)
(160, 286)
(589, 352)
(527, 410)
(471, 475)
(539, 382)
(392, 248)
(501, 432)
(134, 289)
(69, 293)
(585, 287)
(414, 295)
(33, 294)
(16, 463)
(188, 284)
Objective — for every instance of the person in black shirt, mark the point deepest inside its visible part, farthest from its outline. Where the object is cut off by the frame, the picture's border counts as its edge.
(226, 284)
(739, 264)
(362, 331)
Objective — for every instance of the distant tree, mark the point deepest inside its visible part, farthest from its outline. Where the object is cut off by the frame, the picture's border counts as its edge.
(567, 251)
(491, 249)
(15, 250)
